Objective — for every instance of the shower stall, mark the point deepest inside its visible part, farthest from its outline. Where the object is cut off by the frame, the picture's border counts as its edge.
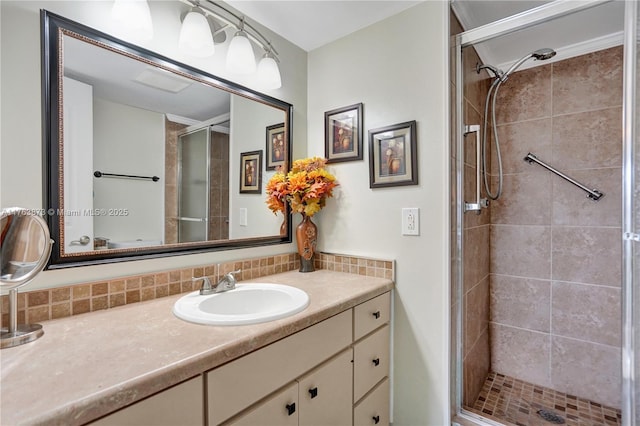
(545, 218)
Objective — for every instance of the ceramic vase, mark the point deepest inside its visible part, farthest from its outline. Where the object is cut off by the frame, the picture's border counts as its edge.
(306, 236)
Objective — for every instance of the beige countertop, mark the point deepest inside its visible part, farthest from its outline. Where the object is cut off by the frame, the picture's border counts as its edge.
(88, 365)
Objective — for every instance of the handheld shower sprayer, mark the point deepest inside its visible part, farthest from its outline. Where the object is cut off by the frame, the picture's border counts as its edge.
(538, 55)
(499, 78)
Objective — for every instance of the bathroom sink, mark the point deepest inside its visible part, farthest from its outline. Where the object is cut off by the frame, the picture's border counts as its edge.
(246, 304)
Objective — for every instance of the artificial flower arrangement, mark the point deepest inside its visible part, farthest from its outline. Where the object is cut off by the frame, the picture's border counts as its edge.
(306, 187)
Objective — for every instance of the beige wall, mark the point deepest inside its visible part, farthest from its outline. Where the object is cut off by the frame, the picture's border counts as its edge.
(555, 254)
(20, 134)
(398, 69)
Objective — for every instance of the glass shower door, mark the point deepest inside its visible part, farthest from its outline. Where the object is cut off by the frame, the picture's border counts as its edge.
(193, 186)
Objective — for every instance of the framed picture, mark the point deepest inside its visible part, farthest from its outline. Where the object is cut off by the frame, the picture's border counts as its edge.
(251, 172)
(276, 146)
(393, 157)
(343, 134)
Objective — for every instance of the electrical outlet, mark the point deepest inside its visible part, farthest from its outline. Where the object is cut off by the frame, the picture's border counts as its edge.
(243, 217)
(411, 221)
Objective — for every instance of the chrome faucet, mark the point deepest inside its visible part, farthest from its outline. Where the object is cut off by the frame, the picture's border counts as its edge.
(226, 283)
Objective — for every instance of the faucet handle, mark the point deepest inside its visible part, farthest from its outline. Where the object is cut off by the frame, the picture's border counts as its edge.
(230, 276)
(206, 284)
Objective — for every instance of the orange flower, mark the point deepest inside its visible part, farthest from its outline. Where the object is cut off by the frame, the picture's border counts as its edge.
(306, 187)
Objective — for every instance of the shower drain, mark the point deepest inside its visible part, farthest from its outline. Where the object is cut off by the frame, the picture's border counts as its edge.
(551, 417)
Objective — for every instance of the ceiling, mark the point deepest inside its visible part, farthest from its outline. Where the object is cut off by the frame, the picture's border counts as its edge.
(311, 24)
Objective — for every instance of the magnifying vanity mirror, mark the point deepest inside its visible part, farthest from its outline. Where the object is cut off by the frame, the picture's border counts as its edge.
(143, 153)
(24, 251)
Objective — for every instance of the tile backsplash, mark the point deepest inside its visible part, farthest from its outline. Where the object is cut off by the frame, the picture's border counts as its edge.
(42, 305)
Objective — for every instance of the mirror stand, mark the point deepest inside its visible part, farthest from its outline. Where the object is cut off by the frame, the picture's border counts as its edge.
(25, 247)
(15, 334)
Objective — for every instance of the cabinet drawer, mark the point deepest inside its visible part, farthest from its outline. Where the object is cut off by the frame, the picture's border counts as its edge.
(181, 404)
(280, 409)
(371, 314)
(240, 383)
(374, 409)
(371, 362)
(325, 393)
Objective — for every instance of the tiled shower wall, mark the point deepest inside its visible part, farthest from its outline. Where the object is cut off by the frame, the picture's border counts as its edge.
(555, 254)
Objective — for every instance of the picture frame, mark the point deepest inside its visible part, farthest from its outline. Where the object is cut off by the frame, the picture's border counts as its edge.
(393, 159)
(251, 172)
(275, 146)
(344, 133)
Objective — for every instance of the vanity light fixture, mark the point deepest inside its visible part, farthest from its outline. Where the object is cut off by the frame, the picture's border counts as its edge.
(268, 72)
(134, 18)
(241, 59)
(195, 35)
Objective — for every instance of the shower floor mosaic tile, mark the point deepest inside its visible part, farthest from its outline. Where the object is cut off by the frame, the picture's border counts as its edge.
(510, 400)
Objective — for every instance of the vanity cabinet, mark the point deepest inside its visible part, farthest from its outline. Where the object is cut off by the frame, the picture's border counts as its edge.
(301, 381)
(335, 372)
(180, 405)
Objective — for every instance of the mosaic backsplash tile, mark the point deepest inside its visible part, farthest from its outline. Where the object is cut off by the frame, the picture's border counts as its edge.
(42, 305)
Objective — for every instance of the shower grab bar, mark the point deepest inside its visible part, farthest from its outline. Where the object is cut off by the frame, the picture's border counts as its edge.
(100, 174)
(594, 194)
(480, 202)
(193, 219)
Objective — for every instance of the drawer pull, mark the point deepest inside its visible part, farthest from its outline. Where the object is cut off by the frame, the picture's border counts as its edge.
(313, 392)
(376, 420)
(376, 314)
(376, 362)
(291, 408)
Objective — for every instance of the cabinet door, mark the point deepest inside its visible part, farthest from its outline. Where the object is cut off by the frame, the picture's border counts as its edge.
(371, 314)
(179, 405)
(325, 393)
(280, 409)
(374, 408)
(371, 361)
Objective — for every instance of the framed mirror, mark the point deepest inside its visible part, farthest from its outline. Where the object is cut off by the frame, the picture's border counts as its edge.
(142, 152)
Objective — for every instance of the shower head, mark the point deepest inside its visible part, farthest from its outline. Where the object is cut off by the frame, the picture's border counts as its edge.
(543, 54)
(540, 55)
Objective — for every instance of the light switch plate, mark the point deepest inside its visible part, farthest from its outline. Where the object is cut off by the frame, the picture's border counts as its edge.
(411, 221)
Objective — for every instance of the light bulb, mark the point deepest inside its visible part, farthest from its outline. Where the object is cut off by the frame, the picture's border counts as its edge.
(133, 18)
(195, 36)
(269, 73)
(240, 56)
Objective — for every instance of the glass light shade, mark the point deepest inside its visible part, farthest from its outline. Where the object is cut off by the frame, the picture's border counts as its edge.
(134, 18)
(269, 73)
(240, 57)
(195, 36)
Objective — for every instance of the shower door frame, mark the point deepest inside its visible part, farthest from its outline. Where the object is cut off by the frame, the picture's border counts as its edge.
(532, 17)
(629, 234)
(181, 218)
